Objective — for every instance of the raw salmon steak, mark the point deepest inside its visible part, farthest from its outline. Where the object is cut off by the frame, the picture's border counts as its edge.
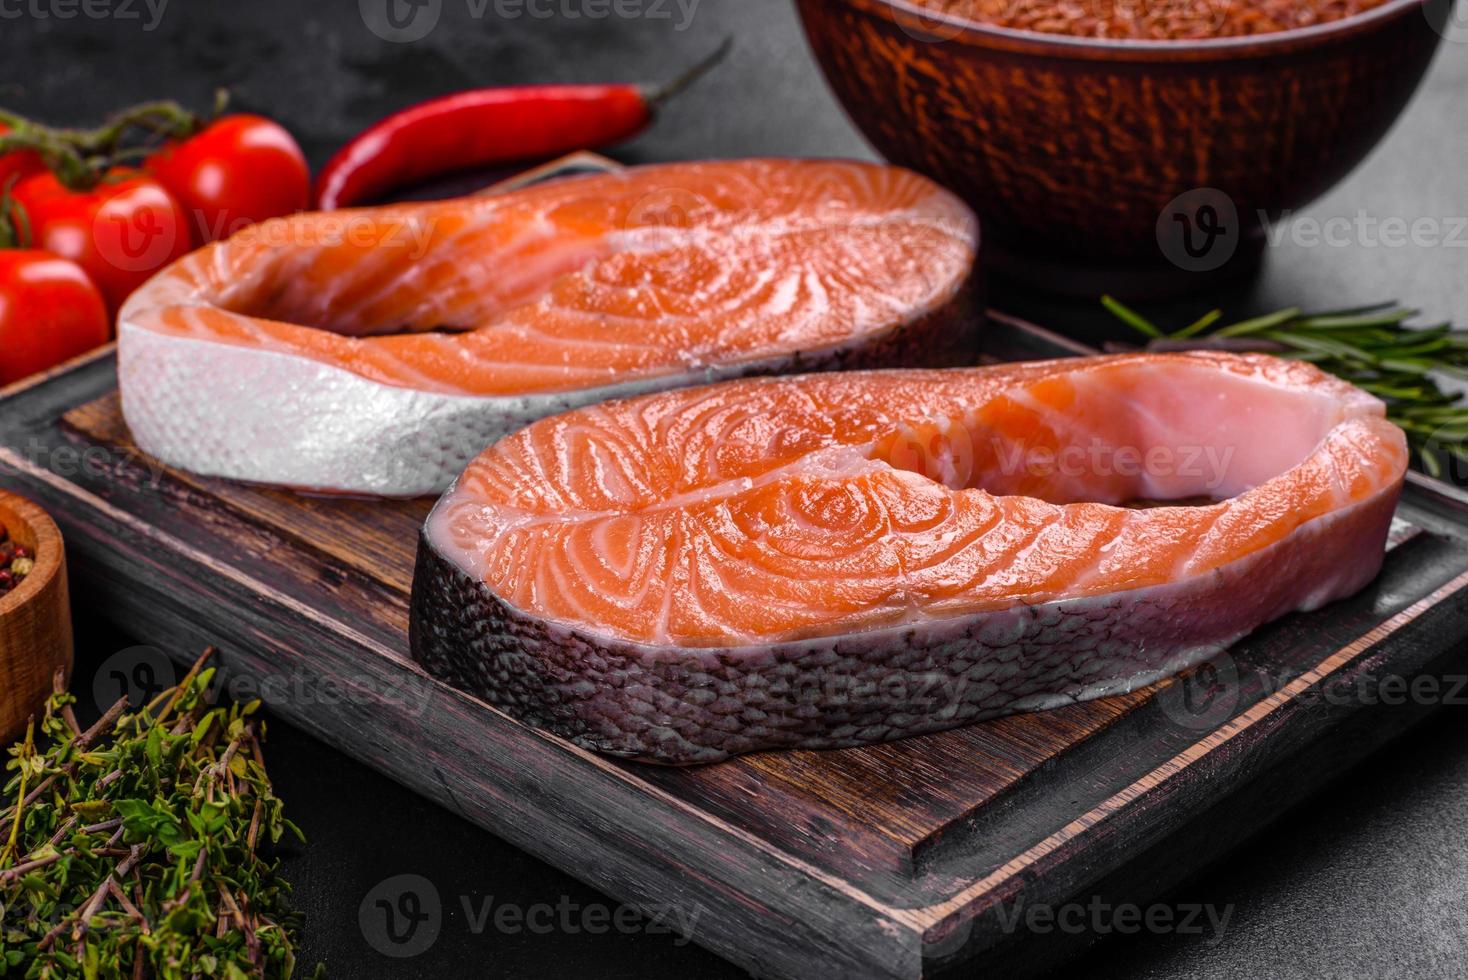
(841, 559)
(378, 351)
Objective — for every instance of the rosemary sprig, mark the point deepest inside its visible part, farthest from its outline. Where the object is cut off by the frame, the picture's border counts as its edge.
(134, 848)
(1374, 347)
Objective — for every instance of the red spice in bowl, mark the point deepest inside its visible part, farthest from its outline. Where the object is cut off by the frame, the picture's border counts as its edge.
(16, 562)
(1152, 20)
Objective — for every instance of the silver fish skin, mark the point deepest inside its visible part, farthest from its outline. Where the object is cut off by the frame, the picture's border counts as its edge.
(261, 416)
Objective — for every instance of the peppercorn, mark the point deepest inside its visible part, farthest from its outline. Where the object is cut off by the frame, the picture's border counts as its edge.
(16, 562)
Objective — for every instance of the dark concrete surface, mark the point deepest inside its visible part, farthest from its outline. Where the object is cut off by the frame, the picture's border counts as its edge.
(1370, 879)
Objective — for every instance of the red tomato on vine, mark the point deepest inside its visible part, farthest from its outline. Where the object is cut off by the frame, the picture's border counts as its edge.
(236, 171)
(50, 312)
(121, 231)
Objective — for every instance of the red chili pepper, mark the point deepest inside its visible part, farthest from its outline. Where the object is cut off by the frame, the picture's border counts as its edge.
(487, 126)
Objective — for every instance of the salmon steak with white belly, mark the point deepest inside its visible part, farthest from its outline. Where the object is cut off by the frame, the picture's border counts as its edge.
(377, 351)
(841, 559)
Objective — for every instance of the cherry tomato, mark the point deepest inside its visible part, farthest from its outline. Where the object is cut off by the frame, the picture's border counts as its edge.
(121, 231)
(18, 163)
(237, 171)
(50, 312)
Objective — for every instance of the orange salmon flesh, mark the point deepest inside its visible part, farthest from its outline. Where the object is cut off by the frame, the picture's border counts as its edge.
(377, 351)
(784, 509)
(842, 559)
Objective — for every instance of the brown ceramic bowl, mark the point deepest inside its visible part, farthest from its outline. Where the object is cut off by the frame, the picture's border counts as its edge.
(35, 618)
(1142, 167)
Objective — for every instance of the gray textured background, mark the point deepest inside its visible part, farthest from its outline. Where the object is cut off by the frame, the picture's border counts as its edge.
(1368, 880)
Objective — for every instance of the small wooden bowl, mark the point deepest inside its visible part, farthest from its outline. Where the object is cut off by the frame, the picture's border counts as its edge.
(35, 618)
(1074, 150)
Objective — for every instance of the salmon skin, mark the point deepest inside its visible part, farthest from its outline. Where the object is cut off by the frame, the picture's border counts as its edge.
(378, 351)
(842, 559)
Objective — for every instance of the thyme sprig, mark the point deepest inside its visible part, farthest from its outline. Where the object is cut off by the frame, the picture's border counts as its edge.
(134, 848)
(1374, 347)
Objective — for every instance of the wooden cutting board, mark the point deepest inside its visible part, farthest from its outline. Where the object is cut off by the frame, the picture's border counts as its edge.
(903, 860)
(891, 861)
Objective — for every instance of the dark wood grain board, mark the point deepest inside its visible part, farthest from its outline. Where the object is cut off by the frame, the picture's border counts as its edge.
(896, 860)
(897, 797)
(890, 861)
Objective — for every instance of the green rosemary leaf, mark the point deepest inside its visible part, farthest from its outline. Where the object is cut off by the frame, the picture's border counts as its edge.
(1431, 346)
(1259, 323)
(1128, 315)
(1389, 318)
(1199, 325)
(1358, 310)
(1323, 345)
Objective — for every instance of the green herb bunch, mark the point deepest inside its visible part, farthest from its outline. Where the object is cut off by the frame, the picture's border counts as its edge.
(133, 848)
(1373, 347)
